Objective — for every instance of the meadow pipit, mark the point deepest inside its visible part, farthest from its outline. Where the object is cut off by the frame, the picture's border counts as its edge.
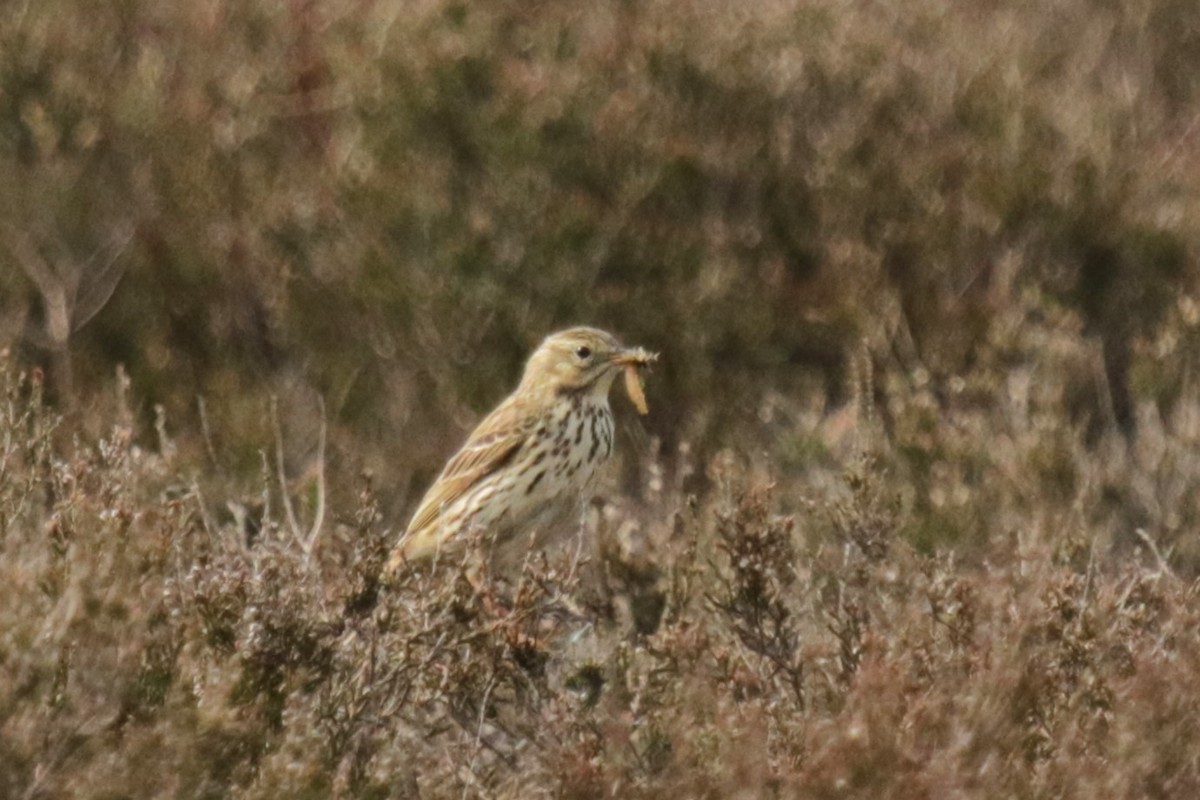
(531, 460)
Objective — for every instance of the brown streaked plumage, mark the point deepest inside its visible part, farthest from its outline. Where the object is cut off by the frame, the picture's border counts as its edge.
(530, 460)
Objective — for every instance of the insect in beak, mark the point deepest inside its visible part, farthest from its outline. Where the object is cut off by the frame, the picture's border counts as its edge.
(634, 359)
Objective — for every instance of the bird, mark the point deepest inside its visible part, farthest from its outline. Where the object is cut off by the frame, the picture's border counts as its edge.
(533, 459)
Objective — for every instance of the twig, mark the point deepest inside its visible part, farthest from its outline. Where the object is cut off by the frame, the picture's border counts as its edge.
(206, 433)
(1163, 567)
(281, 475)
(266, 482)
(165, 446)
(319, 515)
(199, 497)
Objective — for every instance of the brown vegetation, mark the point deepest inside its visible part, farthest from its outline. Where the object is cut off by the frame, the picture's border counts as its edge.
(713, 648)
(914, 511)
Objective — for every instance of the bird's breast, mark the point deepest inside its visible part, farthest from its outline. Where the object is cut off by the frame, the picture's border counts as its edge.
(564, 451)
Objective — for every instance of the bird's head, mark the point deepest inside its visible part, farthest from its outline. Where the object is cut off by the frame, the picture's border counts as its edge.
(579, 360)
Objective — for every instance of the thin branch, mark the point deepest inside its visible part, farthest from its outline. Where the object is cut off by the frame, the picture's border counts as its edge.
(198, 496)
(281, 475)
(1163, 567)
(206, 433)
(319, 515)
(266, 482)
(56, 288)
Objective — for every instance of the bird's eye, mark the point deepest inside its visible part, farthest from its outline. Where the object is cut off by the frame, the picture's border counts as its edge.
(584, 352)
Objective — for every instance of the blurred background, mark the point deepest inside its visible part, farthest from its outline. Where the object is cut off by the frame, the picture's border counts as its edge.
(966, 229)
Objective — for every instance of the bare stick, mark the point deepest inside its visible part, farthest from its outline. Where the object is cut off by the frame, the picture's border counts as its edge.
(206, 432)
(1163, 567)
(319, 515)
(280, 475)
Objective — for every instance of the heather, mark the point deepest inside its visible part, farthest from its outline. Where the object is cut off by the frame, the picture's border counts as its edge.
(914, 511)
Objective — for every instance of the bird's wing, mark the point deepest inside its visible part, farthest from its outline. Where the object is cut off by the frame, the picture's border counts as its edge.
(489, 447)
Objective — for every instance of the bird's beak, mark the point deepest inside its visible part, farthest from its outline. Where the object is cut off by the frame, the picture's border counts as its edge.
(633, 357)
